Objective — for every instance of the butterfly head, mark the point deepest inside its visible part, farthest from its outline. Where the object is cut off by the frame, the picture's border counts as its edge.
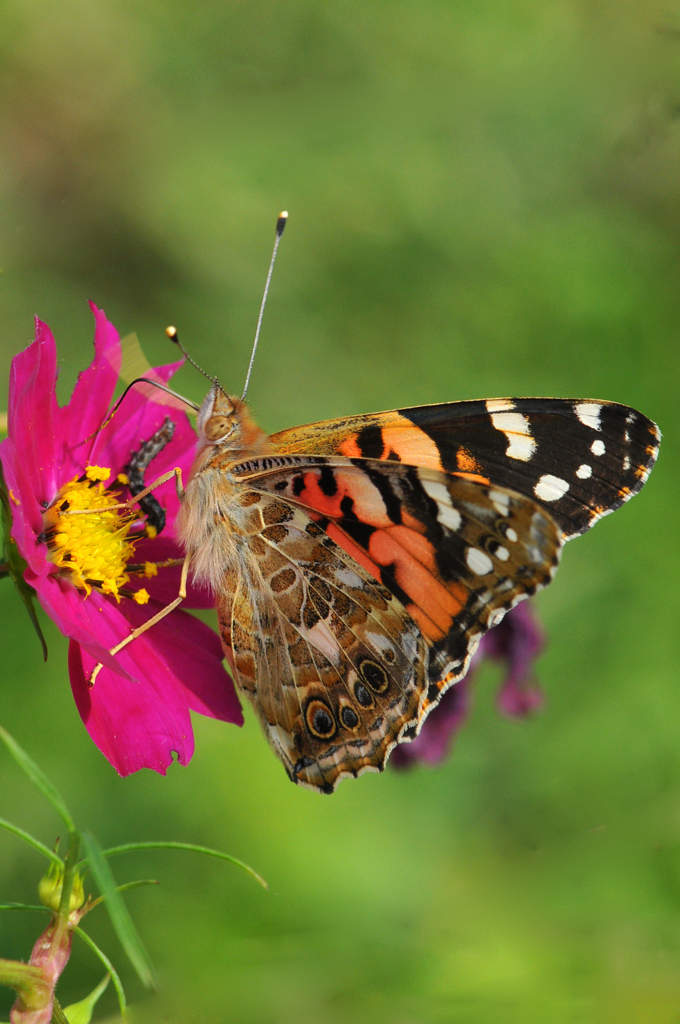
(224, 422)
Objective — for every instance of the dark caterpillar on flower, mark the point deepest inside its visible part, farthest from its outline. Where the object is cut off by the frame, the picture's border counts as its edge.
(137, 466)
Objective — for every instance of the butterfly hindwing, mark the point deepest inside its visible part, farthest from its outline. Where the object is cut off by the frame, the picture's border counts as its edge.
(358, 557)
(331, 661)
(579, 459)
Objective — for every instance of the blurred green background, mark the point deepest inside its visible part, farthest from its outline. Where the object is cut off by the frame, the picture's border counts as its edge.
(484, 200)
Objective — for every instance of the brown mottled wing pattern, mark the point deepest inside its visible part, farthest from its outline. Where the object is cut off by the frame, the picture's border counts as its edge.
(364, 590)
(329, 659)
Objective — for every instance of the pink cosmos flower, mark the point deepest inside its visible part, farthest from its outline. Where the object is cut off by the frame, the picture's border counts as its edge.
(99, 576)
(517, 641)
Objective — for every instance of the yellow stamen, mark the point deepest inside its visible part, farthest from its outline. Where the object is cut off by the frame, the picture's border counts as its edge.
(151, 531)
(150, 569)
(95, 473)
(91, 550)
(123, 478)
(140, 596)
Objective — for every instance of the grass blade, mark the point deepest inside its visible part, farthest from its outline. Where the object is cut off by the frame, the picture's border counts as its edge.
(124, 888)
(38, 778)
(130, 847)
(118, 912)
(23, 906)
(109, 967)
(32, 841)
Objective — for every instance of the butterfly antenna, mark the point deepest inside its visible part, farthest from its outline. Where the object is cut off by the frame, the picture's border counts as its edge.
(139, 380)
(280, 225)
(174, 336)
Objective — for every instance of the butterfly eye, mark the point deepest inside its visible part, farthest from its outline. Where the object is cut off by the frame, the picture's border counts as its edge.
(374, 675)
(320, 719)
(217, 427)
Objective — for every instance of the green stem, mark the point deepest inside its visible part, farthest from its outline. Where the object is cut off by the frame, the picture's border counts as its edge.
(70, 867)
(30, 982)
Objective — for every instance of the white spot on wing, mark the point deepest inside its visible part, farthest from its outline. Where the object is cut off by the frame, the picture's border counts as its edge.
(503, 554)
(478, 561)
(321, 637)
(511, 535)
(597, 448)
(501, 502)
(499, 405)
(447, 516)
(589, 414)
(515, 426)
(551, 488)
(379, 641)
(347, 577)
(584, 471)
(626, 463)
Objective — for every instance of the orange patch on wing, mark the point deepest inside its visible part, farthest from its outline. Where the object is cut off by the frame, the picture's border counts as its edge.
(466, 462)
(353, 550)
(415, 544)
(425, 624)
(401, 437)
(368, 504)
(419, 583)
(411, 444)
(350, 448)
(475, 477)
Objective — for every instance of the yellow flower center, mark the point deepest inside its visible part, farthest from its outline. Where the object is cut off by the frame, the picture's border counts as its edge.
(92, 550)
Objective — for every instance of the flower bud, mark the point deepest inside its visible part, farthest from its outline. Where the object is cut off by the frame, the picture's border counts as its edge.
(49, 889)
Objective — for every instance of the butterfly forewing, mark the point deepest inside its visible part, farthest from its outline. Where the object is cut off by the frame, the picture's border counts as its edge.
(579, 459)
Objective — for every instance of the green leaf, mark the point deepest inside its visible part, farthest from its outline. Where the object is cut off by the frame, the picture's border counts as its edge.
(130, 847)
(124, 888)
(81, 1013)
(57, 1013)
(118, 912)
(32, 841)
(38, 778)
(23, 906)
(108, 965)
(14, 565)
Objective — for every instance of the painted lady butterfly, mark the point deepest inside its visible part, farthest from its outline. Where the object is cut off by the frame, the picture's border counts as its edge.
(358, 561)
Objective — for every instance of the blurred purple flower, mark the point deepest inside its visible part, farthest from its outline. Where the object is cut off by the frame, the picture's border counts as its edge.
(516, 641)
(92, 574)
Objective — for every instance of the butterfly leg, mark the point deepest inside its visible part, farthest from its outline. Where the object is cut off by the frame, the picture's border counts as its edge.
(179, 487)
(152, 621)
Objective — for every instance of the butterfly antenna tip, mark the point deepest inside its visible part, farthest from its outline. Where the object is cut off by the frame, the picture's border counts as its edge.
(174, 337)
(281, 222)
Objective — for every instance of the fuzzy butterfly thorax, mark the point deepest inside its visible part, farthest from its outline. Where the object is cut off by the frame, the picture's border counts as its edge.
(356, 563)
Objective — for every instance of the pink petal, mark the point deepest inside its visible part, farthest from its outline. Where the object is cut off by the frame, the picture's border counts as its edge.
(134, 724)
(195, 653)
(26, 512)
(165, 586)
(176, 666)
(96, 622)
(91, 398)
(33, 411)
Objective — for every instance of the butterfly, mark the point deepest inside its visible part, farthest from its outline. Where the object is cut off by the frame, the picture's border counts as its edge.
(357, 562)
